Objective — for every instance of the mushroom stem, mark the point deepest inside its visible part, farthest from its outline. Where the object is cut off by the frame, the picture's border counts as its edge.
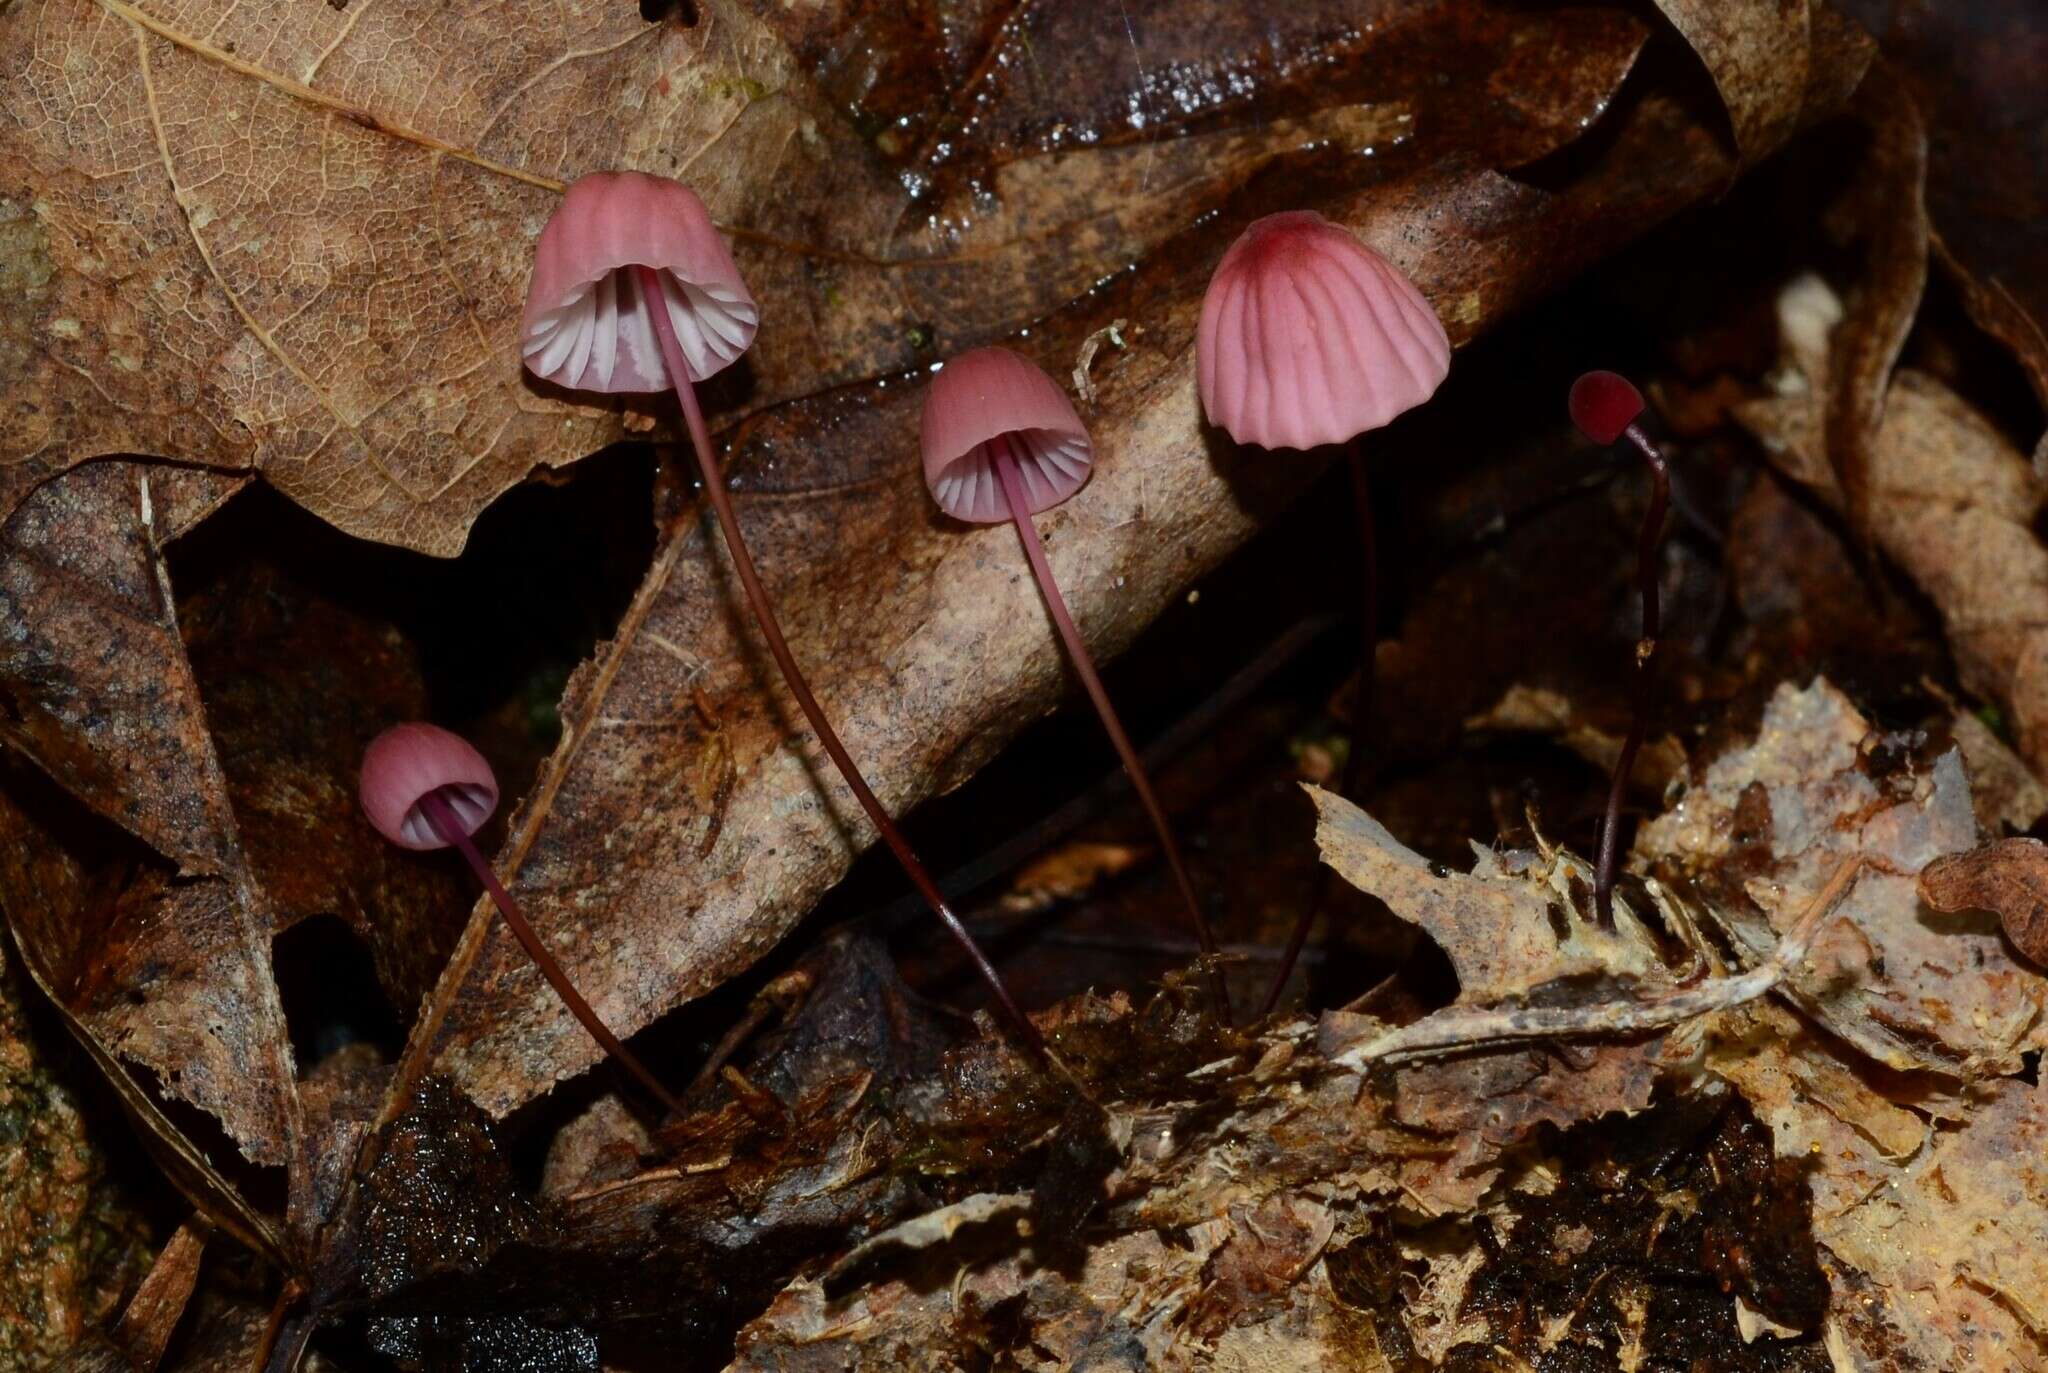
(778, 647)
(1005, 455)
(1368, 677)
(435, 808)
(1649, 541)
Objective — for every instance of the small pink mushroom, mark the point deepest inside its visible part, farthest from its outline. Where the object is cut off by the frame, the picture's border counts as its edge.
(425, 788)
(619, 242)
(1309, 337)
(1001, 442)
(1605, 406)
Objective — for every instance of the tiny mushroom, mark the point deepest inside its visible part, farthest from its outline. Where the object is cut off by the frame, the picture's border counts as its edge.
(1308, 337)
(1605, 407)
(425, 788)
(618, 242)
(1002, 443)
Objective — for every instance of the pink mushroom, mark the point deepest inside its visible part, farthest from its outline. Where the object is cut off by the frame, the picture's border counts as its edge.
(424, 788)
(1002, 442)
(1308, 337)
(1604, 406)
(618, 242)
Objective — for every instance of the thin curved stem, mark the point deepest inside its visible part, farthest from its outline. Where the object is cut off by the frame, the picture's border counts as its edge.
(778, 647)
(1649, 542)
(1368, 676)
(1005, 454)
(444, 823)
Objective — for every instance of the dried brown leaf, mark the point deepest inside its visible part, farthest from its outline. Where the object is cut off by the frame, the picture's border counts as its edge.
(165, 961)
(1888, 209)
(1514, 925)
(1936, 1234)
(1975, 70)
(1766, 58)
(2006, 794)
(1547, 711)
(1953, 504)
(2008, 877)
(145, 1328)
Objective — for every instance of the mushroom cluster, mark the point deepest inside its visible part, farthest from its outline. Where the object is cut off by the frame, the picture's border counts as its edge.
(1308, 338)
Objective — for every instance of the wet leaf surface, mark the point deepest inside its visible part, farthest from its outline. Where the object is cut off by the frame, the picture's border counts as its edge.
(346, 235)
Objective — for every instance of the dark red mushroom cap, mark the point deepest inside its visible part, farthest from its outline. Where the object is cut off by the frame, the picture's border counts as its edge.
(1604, 405)
(408, 762)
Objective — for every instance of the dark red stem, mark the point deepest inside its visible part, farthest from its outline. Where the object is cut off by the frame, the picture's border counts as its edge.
(771, 630)
(1649, 540)
(1005, 456)
(443, 820)
(1368, 676)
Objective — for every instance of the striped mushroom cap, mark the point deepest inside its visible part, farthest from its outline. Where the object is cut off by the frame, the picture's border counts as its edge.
(587, 324)
(406, 763)
(1310, 337)
(978, 398)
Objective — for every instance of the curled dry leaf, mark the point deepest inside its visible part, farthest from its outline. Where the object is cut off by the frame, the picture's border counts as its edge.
(2008, 877)
(1952, 503)
(145, 1328)
(1757, 52)
(1975, 72)
(1886, 208)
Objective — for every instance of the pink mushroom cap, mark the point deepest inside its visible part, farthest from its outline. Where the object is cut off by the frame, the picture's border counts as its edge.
(980, 397)
(408, 762)
(587, 325)
(1310, 337)
(1604, 405)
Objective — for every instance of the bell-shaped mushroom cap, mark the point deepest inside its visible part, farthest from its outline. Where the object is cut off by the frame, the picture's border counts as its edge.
(1310, 337)
(404, 764)
(1604, 405)
(978, 398)
(587, 325)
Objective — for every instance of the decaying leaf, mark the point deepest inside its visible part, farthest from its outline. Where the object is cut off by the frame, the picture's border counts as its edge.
(163, 957)
(69, 1245)
(2009, 877)
(1770, 822)
(1935, 1233)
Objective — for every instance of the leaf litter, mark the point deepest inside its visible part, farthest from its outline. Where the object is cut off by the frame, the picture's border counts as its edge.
(1779, 1116)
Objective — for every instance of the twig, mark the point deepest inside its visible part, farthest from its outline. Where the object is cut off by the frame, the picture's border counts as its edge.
(1468, 1028)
